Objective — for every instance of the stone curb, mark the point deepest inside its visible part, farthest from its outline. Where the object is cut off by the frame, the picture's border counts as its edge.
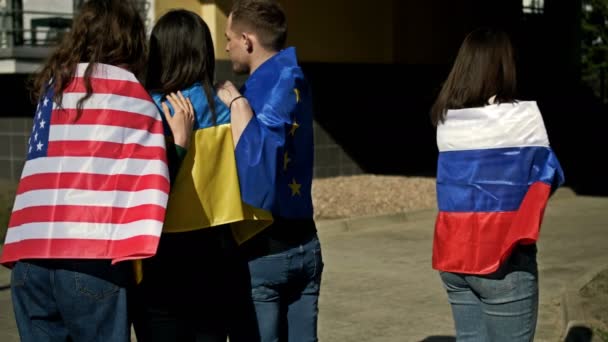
(365, 222)
(362, 222)
(576, 324)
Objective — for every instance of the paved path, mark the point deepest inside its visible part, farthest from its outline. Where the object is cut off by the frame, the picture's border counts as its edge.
(378, 284)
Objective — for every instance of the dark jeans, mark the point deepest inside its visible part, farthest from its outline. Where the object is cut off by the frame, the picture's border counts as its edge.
(196, 288)
(285, 281)
(71, 300)
(501, 306)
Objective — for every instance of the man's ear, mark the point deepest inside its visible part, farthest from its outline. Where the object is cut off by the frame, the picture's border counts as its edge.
(248, 41)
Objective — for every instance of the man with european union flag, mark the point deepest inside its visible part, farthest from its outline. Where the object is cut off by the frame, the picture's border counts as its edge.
(274, 156)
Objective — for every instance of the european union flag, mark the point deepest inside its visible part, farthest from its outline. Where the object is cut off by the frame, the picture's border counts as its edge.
(275, 153)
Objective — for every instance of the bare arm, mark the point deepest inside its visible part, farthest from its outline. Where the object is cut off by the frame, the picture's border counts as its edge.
(240, 110)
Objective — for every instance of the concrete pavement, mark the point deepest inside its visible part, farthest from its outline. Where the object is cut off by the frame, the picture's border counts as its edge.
(378, 284)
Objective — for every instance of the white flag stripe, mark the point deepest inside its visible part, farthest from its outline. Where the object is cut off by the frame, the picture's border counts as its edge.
(104, 133)
(107, 71)
(103, 166)
(111, 102)
(78, 197)
(83, 230)
(494, 126)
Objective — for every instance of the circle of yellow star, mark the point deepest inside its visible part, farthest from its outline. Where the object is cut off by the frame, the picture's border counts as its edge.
(295, 90)
(295, 187)
(294, 126)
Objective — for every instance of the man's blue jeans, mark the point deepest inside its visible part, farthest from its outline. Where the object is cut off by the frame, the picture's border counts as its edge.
(71, 300)
(501, 306)
(285, 292)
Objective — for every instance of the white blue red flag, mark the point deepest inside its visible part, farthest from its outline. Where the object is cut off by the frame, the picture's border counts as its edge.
(494, 176)
(95, 183)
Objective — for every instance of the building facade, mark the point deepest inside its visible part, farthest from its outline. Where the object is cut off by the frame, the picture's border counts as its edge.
(374, 67)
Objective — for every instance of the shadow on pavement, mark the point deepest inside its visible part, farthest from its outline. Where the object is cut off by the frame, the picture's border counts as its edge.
(439, 339)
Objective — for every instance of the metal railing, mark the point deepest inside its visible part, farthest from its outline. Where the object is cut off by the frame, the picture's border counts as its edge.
(46, 28)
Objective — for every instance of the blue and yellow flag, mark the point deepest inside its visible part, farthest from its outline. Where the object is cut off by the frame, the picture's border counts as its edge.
(275, 153)
(206, 191)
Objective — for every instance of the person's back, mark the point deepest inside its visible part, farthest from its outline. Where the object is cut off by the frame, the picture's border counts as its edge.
(276, 87)
(275, 156)
(94, 187)
(196, 284)
(495, 173)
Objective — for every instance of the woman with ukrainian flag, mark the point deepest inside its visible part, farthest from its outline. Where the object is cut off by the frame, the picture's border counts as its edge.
(191, 290)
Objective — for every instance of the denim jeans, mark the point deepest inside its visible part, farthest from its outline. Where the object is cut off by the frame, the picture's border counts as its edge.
(285, 292)
(71, 300)
(501, 306)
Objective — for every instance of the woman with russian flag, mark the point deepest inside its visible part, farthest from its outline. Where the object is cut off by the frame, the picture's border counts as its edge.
(494, 176)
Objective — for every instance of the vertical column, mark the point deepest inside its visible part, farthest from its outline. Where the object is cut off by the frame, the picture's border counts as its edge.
(215, 13)
(16, 8)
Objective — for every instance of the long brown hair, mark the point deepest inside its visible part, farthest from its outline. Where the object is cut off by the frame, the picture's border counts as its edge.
(484, 67)
(104, 31)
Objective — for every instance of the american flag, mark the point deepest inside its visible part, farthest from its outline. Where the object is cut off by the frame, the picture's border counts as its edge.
(95, 183)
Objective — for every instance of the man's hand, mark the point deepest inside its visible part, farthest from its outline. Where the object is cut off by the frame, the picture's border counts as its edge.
(227, 92)
(240, 110)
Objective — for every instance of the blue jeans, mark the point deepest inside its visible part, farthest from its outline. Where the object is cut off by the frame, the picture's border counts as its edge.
(501, 306)
(285, 292)
(71, 300)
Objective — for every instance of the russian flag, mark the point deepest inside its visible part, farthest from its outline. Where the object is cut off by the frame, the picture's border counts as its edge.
(494, 176)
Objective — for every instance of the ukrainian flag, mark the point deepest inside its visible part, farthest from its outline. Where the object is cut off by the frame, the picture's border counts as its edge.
(206, 191)
(275, 152)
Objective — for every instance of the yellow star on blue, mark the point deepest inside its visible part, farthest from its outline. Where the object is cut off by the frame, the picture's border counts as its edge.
(295, 187)
(294, 126)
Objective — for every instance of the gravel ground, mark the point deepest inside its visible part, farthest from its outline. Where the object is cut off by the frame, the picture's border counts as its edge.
(366, 195)
(336, 197)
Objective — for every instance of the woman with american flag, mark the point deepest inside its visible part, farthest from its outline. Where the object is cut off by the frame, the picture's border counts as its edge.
(94, 188)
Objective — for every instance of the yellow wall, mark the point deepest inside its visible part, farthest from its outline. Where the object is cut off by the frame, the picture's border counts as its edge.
(212, 11)
(341, 30)
(321, 30)
(162, 6)
(348, 31)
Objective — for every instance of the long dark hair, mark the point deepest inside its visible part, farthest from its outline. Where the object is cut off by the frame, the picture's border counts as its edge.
(181, 54)
(485, 66)
(104, 31)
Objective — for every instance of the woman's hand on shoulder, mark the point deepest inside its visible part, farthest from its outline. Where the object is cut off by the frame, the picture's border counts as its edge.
(182, 121)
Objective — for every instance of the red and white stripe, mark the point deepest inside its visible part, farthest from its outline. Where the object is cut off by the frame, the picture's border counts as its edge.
(101, 191)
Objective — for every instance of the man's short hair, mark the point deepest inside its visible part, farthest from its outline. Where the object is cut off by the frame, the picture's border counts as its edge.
(265, 18)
